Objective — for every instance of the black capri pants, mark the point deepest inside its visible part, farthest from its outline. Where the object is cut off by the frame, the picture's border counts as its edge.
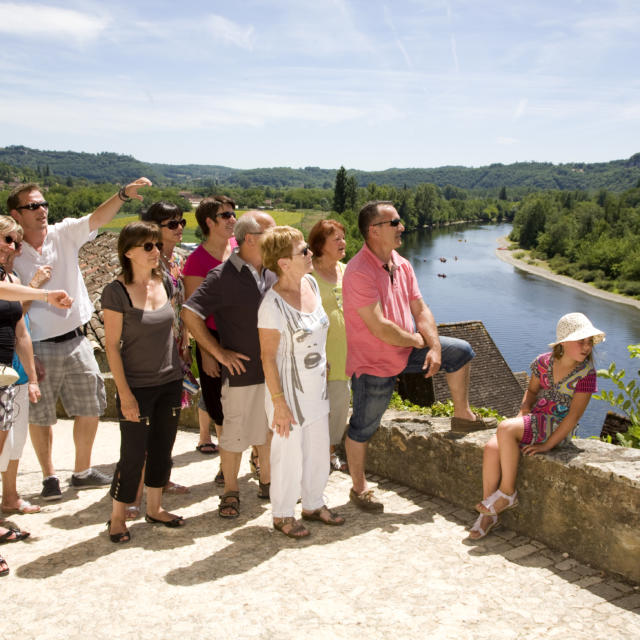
(151, 438)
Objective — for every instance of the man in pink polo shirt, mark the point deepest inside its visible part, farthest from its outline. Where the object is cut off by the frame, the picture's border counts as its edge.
(390, 330)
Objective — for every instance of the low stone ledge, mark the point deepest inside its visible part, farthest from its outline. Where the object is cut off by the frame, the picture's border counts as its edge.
(583, 498)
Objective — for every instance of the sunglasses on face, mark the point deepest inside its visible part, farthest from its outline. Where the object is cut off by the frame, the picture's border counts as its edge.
(174, 224)
(226, 215)
(392, 223)
(34, 206)
(13, 241)
(148, 246)
(303, 252)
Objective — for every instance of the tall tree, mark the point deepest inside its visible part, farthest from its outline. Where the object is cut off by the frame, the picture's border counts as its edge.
(340, 191)
(351, 193)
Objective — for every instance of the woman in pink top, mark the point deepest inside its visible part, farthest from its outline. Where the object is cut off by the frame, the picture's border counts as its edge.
(216, 218)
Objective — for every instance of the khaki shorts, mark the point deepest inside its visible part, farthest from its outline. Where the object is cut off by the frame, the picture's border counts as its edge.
(245, 418)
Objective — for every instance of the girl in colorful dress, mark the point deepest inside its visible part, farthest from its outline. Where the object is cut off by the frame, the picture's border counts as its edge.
(559, 391)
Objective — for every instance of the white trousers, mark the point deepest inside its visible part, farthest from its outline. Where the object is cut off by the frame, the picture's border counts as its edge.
(300, 467)
(14, 444)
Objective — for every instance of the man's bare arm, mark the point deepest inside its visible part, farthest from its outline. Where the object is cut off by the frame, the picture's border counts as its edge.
(386, 330)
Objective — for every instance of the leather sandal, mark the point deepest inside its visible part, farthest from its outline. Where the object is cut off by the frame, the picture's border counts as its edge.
(229, 503)
(13, 535)
(297, 531)
(4, 567)
(488, 508)
(330, 517)
(264, 490)
(117, 538)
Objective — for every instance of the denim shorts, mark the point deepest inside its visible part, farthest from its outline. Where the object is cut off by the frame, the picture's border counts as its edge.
(371, 394)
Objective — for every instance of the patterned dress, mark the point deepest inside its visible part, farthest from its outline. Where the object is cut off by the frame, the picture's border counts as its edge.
(554, 398)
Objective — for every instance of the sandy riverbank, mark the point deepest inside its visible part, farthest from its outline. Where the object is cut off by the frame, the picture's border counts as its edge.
(507, 256)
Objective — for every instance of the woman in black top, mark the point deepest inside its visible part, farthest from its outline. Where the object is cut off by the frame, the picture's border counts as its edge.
(14, 336)
(143, 358)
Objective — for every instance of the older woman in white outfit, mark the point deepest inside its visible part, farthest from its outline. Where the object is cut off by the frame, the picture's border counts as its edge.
(293, 329)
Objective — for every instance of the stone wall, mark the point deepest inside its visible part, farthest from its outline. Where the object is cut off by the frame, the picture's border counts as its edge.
(582, 498)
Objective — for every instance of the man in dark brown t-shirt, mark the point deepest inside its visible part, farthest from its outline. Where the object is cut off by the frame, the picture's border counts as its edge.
(232, 293)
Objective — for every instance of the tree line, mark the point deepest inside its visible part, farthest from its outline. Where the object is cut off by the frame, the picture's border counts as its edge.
(592, 238)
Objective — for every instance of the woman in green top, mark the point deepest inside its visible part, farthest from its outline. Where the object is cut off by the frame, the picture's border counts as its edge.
(326, 240)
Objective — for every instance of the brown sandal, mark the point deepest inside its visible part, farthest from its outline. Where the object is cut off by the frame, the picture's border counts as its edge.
(230, 502)
(297, 531)
(331, 517)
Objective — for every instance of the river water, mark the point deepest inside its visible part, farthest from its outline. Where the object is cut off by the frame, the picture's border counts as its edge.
(519, 310)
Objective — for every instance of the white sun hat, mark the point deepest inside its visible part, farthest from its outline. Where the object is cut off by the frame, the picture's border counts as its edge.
(576, 326)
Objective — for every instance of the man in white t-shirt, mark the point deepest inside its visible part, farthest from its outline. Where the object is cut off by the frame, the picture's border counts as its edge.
(71, 370)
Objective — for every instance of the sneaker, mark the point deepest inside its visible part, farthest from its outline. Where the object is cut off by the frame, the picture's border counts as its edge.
(51, 489)
(366, 501)
(93, 479)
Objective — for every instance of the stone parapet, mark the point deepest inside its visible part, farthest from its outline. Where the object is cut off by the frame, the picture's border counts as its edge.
(582, 498)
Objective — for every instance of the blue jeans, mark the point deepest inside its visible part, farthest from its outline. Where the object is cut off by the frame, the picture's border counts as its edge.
(371, 394)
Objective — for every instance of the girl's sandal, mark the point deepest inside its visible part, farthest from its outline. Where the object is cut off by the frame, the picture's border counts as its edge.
(488, 508)
(477, 528)
(297, 530)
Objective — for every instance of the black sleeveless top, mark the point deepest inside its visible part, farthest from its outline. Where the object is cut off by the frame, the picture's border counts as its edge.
(10, 314)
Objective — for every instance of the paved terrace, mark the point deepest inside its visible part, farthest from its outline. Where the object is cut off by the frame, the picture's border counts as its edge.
(404, 574)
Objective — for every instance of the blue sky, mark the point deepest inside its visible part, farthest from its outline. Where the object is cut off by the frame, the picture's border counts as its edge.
(364, 83)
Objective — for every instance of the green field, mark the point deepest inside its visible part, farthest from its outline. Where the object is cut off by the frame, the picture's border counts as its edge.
(293, 218)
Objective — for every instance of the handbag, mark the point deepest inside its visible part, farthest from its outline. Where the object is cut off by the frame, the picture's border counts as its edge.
(8, 375)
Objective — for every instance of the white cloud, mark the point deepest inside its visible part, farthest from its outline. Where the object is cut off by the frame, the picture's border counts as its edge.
(29, 20)
(225, 30)
(503, 140)
(520, 109)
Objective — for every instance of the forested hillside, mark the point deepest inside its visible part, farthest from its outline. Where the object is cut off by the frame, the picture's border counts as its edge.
(521, 178)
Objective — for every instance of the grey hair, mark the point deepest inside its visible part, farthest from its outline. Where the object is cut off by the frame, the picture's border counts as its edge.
(245, 225)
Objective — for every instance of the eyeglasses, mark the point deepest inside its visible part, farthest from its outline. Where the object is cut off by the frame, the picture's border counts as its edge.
(174, 224)
(148, 246)
(303, 252)
(392, 223)
(13, 241)
(34, 206)
(225, 214)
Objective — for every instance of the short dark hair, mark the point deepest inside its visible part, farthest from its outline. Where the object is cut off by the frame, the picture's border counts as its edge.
(209, 208)
(13, 200)
(368, 214)
(319, 233)
(132, 235)
(160, 211)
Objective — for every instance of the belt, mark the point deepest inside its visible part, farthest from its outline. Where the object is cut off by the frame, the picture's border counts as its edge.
(78, 331)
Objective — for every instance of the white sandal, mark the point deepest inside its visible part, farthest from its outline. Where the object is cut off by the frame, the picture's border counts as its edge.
(487, 506)
(477, 528)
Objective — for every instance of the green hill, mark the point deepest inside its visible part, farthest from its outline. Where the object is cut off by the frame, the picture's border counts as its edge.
(616, 175)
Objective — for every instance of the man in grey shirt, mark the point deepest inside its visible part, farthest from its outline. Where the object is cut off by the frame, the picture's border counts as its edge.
(232, 293)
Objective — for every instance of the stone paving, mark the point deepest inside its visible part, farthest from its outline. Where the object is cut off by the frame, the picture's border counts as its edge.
(407, 573)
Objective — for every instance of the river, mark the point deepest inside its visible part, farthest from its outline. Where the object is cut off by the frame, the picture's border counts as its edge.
(519, 310)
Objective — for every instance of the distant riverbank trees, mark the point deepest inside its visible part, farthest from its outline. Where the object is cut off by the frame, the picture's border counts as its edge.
(590, 238)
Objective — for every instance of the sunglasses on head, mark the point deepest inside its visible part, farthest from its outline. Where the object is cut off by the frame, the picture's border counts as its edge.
(33, 206)
(226, 215)
(174, 224)
(148, 246)
(392, 223)
(13, 241)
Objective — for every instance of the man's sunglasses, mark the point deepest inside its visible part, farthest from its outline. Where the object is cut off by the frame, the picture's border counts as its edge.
(174, 224)
(33, 206)
(226, 215)
(148, 246)
(392, 223)
(14, 242)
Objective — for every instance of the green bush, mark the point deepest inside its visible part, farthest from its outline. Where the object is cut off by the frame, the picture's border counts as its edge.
(626, 400)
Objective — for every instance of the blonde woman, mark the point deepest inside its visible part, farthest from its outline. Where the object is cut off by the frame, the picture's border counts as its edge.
(293, 331)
